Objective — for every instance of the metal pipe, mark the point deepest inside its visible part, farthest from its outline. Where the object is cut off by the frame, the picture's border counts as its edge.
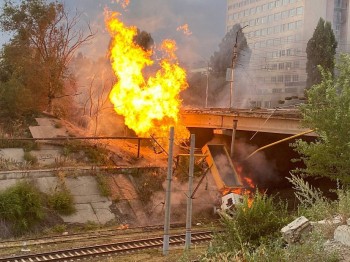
(277, 142)
(73, 138)
(234, 129)
(168, 194)
(189, 198)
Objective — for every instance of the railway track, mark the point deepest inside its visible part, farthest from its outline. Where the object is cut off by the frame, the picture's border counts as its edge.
(105, 233)
(110, 249)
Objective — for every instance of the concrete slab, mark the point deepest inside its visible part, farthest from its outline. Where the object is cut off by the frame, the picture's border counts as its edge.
(84, 214)
(47, 132)
(47, 156)
(85, 189)
(342, 234)
(103, 211)
(46, 184)
(4, 184)
(12, 154)
(46, 121)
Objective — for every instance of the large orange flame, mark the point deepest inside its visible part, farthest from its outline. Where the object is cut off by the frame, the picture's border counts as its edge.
(150, 106)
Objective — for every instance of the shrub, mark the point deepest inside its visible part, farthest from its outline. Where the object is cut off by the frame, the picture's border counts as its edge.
(21, 205)
(149, 182)
(62, 201)
(95, 153)
(256, 219)
(103, 185)
(29, 158)
(312, 203)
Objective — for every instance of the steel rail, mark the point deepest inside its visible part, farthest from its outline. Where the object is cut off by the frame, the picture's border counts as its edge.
(109, 249)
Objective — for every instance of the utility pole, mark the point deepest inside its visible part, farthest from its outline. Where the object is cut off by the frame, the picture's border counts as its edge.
(168, 193)
(189, 197)
(207, 89)
(234, 58)
(234, 128)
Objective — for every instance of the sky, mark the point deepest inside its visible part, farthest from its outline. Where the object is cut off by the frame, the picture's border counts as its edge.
(205, 19)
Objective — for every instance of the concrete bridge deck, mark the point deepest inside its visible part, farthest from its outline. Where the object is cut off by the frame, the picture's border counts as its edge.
(281, 121)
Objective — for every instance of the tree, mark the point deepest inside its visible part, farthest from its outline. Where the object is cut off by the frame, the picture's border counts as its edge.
(327, 111)
(320, 50)
(222, 59)
(49, 37)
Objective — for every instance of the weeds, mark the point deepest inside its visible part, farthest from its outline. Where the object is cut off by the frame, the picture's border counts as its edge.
(29, 158)
(21, 205)
(312, 203)
(103, 186)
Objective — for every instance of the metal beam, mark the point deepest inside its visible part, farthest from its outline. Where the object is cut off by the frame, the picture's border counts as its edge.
(264, 121)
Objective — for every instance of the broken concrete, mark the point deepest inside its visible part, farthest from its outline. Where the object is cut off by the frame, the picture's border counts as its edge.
(342, 234)
(294, 230)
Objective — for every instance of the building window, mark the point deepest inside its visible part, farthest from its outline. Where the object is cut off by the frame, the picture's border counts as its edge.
(277, 29)
(276, 41)
(276, 90)
(280, 79)
(295, 78)
(284, 14)
(291, 89)
(277, 16)
(267, 104)
(287, 78)
(300, 10)
(296, 64)
(292, 12)
(273, 79)
(281, 66)
(299, 23)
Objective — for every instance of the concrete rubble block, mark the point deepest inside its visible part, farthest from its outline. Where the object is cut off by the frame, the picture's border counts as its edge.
(293, 231)
(342, 234)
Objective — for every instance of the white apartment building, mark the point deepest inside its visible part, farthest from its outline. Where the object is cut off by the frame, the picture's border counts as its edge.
(278, 32)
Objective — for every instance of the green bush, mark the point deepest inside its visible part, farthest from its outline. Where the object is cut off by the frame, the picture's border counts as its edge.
(255, 221)
(21, 205)
(62, 201)
(312, 203)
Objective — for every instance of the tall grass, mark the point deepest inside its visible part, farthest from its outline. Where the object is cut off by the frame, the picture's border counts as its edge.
(21, 205)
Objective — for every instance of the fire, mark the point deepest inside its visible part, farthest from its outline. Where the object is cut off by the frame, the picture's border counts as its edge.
(185, 29)
(150, 106)
(248, 182)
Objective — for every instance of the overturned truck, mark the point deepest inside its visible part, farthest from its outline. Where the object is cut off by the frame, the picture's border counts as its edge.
(224, 174)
